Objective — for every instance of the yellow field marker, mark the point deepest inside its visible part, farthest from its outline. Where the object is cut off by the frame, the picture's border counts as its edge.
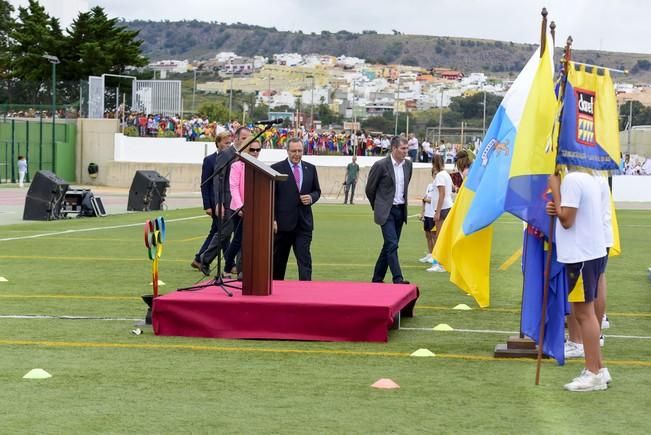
(512, 259)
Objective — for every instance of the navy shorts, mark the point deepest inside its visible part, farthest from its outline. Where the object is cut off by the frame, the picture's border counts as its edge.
(428, 223)
(444, 214)
(605, 260)
(590, 271)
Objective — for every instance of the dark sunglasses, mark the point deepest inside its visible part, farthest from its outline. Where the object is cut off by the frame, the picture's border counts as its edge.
(254, 150)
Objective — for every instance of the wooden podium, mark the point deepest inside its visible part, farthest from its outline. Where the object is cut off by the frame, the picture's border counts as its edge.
(257, 233)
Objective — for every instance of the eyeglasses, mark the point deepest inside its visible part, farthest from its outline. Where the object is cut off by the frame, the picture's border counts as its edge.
(254, 150)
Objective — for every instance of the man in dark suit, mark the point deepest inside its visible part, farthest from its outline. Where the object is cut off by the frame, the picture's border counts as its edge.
(222, 141)
(293, 222)
(221, 195)
(387, 190)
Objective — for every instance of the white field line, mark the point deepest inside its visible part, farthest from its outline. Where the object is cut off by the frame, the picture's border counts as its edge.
(121, 319)
(83, 230)
(44, 316)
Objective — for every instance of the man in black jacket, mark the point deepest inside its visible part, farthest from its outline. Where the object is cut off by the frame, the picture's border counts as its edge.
(222, 141)
(293, 222)
(222, 195)
(387, 191)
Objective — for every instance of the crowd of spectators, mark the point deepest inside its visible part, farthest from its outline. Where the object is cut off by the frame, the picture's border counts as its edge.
(38, 114)
(633, 164)
(324, 142)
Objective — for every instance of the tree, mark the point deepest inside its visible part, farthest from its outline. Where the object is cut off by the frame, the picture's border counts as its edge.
(378, 123)
(471, 107)
(261, 111)
(6, 24)
(215, 112)
(327, 116)
(641, 114)
(96, 45)
(34, 34)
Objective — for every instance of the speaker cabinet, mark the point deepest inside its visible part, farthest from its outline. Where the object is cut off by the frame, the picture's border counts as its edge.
(148, 191)
(44, 197)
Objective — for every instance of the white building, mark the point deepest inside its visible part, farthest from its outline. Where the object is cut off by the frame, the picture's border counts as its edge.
(238, 65)
(283, 98)
(259, 62)
(288, 59)
(306, 96)
(169, 66)
(225, 56)
(474, 79)
(349, 62)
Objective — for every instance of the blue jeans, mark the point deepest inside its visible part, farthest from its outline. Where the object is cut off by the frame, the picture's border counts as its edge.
(389, 254)
(413, 155)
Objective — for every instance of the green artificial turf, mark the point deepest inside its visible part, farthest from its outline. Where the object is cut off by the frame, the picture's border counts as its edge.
(106, 379)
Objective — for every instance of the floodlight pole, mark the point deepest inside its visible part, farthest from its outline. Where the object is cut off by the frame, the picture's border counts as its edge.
(194, 89)
(54, 61)
(230, 97)
(483, 127)
(395, 130)
(312, 105)
(440, 116)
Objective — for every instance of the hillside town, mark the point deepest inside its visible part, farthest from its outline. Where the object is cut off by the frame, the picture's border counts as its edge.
(349, 86)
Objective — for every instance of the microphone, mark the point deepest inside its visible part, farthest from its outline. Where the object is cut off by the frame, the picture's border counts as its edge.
(270, 121)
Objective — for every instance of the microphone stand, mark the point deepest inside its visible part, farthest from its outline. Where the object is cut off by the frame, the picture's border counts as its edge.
(230, 154)
(224, 160)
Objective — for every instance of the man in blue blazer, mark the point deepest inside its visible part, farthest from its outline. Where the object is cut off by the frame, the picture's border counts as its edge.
(212, 192)
(222, 141)
(293, 222)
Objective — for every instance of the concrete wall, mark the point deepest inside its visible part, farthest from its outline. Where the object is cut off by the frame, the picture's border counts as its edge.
(640, 141)
(632, 188)
(95, 143)
(119, 158)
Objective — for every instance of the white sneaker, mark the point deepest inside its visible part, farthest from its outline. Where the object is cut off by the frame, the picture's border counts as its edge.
(605, 324)
(426, 259)
(574, 350)
(587, 381)
(605, 374)
(602, 340)
(436, 268)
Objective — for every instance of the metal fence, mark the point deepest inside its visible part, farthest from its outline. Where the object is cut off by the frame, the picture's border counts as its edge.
(162, 97)
(33, 138)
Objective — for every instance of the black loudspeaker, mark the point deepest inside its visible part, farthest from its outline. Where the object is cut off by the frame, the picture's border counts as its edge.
(148, 191)
(44, 197)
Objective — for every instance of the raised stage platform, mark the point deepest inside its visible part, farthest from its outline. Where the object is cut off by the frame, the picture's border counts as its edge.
(297, 310)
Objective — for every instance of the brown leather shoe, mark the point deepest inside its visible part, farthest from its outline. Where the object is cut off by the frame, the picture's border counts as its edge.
(195, 265)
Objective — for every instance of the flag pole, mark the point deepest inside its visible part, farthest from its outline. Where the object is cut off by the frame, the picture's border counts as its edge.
(543, 43)
(615, 70)
(548, 259)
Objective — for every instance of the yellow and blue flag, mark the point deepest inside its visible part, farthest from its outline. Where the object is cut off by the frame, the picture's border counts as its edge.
(512, 156)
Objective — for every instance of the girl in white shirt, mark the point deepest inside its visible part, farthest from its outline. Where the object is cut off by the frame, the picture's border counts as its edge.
(441, 200)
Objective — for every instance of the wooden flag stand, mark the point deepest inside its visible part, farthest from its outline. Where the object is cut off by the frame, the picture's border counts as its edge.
(519, 346)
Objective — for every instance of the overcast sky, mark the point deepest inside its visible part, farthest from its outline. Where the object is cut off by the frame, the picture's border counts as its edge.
(612, 25)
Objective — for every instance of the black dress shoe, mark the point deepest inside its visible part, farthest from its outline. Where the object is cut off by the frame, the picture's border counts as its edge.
(402, 282)
(377, 281)
(205, 269)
